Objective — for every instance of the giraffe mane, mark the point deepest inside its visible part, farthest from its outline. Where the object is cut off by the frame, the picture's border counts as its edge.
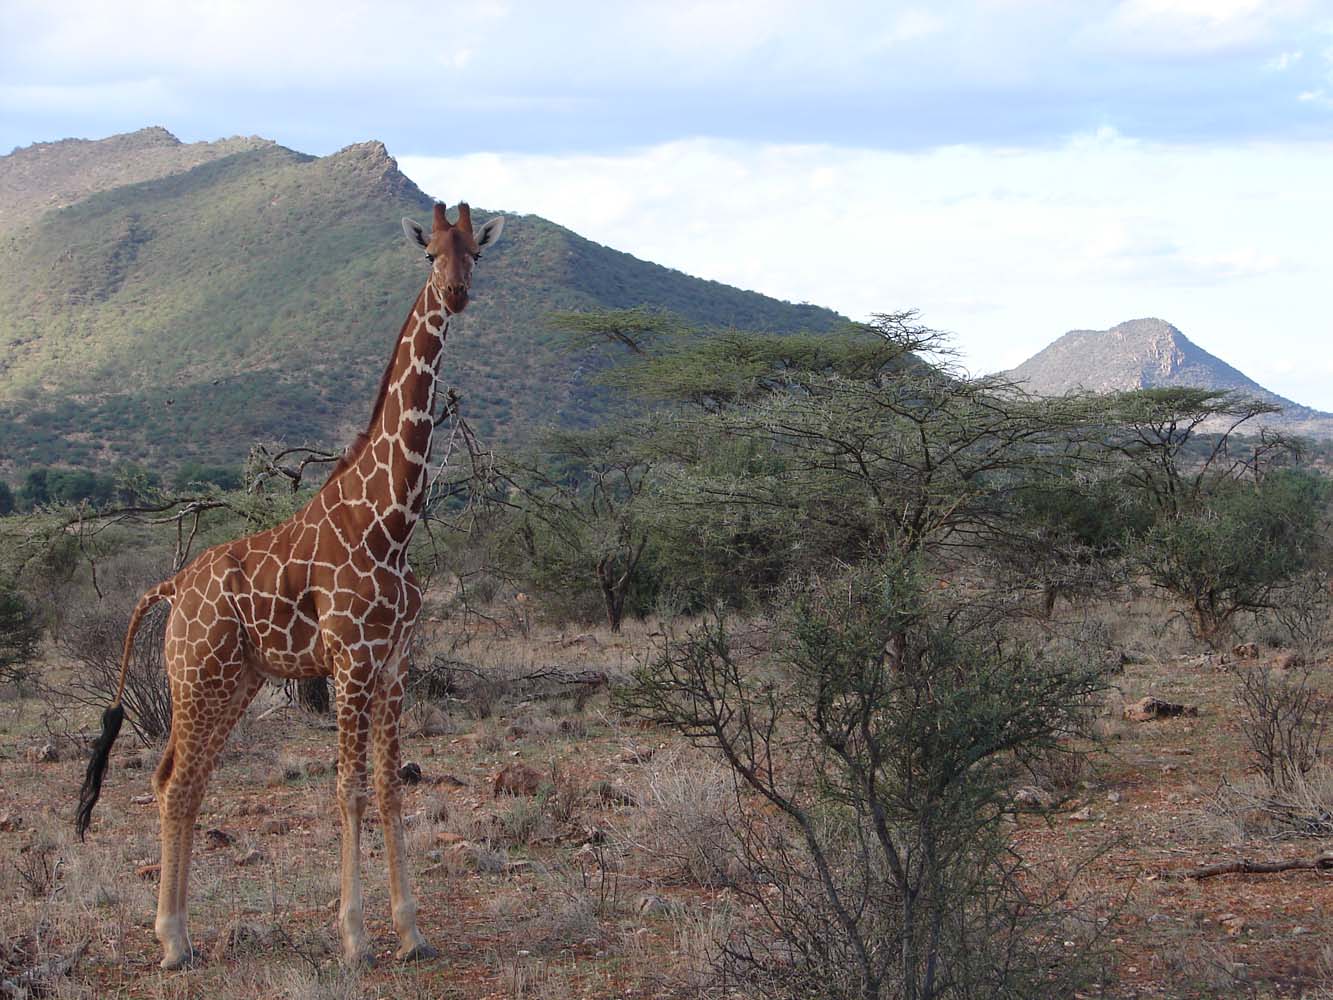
(353, 451)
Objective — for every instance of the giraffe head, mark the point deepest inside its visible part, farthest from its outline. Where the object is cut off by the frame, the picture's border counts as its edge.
(452, 248)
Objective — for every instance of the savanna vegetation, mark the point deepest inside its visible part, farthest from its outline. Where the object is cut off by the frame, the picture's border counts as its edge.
(806, 663)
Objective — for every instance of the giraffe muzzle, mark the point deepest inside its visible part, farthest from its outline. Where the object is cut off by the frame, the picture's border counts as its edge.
(455, 298)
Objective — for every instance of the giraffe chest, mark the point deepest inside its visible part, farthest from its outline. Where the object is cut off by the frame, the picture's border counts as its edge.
(296, 614)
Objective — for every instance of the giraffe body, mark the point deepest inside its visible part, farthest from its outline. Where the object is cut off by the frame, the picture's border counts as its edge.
(326, 593)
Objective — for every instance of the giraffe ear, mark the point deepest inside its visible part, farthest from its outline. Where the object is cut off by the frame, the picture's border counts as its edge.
(415, 234)
(489, 234)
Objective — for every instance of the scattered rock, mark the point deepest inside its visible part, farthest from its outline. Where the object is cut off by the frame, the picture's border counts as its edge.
(1147, 709)
(433, 722)
(148, 871)
(44, 754)
(583, 639)
(651, 905)
(465, 854)
(277, 826)
(1030, 798)
(453, 781)
(141, 800)
(218, 838)
(1083, 815)
(410, 773)
(10, 822)
(635, 755)
(292, 770)
(40, 980)
(242, 937)
(1246, 650)
(1232, 924)
(1288, 659)
(1113, 796)
(518, 779)
(251, 857)
(613, 794)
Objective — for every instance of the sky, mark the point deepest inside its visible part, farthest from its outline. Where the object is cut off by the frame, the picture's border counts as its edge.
(1011, 168)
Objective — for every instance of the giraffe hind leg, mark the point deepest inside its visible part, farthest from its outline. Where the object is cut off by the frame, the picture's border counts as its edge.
(388, 789)
(198, 731)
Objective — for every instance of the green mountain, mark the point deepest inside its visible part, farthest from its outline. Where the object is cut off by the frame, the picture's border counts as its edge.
(164, 303)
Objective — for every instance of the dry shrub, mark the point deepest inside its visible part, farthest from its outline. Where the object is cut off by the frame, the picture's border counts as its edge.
(1284, 720)
(93, 637)
(684, 823)
(1301, 613)
(562, 926)
(1059, 769)
(1252, 809)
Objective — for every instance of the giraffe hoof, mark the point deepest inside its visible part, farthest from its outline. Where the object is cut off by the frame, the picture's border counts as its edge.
(185, 960)
(417, 953)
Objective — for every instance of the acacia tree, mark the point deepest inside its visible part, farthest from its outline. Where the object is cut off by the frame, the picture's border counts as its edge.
(1231, 522)
(20, 630)
(781, 454)
(577, 508)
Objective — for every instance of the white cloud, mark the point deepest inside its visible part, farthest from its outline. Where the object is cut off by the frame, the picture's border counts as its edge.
(1008, 249)
(1196, 26)
(252, 42)
(1284, 61)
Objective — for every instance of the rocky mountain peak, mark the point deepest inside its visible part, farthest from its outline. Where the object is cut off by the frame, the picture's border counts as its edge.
(1145, 354)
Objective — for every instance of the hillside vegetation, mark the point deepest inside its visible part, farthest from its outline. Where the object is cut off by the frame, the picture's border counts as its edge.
(183, 303)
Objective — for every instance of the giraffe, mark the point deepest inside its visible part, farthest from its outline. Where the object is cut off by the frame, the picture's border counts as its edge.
(326, 593)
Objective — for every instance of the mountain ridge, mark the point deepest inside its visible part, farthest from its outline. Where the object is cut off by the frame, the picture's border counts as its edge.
(223, 293)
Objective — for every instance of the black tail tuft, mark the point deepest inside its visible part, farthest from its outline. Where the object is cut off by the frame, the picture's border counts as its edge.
(92, 781)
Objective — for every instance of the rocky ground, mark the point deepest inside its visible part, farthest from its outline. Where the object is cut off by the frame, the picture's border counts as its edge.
(561, 851)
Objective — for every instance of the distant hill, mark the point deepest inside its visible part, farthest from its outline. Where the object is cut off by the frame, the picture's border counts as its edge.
(163, 302)
(1151, 353)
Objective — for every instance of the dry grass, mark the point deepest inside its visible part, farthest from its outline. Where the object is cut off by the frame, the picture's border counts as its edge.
(546, 900)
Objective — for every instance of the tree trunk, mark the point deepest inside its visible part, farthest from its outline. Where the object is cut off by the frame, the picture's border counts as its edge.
(1213, 627)
(613, 598)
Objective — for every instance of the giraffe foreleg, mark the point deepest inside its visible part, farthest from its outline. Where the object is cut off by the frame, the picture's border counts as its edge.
(387, 710)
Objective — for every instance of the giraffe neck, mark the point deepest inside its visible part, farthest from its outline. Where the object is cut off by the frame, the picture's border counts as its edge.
(386, 475)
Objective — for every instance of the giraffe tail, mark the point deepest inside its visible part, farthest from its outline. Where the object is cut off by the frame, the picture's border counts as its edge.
(114, 716)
